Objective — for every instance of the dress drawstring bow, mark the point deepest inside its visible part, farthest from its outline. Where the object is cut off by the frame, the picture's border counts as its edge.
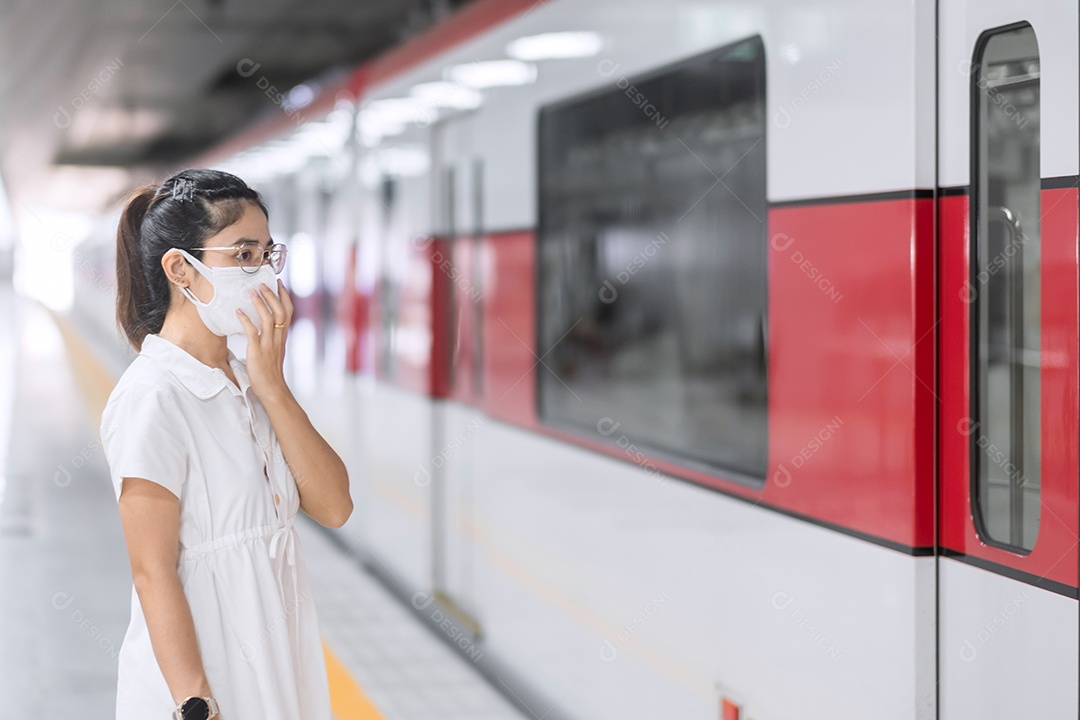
(285, 536)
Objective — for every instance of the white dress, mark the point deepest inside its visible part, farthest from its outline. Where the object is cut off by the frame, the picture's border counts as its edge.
(175, 421)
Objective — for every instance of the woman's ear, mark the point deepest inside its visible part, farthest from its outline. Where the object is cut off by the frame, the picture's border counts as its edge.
(177, 269)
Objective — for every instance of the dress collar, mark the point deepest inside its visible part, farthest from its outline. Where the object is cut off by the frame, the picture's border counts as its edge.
(201, 379)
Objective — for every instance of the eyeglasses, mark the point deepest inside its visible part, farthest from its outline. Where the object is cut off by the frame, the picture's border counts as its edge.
(251, 260)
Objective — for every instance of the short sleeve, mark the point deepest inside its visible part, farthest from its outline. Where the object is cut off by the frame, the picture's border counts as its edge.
(142, 434)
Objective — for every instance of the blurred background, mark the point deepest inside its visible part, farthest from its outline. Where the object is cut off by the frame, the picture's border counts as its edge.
(690, 359)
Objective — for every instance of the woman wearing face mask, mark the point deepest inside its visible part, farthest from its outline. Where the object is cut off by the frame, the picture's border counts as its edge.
(211, 457)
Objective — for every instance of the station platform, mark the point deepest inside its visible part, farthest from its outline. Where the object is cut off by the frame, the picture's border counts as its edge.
(65, 582)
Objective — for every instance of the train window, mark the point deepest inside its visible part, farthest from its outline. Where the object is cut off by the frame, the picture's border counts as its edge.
(652, 263)
(389, 287)
(1005, 288)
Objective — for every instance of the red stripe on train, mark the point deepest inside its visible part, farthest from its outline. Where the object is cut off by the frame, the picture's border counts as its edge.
(852, 390)
(850, 419)
(851, 366)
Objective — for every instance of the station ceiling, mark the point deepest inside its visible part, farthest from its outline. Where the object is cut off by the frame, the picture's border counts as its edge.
(97, 96)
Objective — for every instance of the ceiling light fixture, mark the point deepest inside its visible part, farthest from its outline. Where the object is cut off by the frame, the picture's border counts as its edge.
(492, 73)
(553, 45)
(448, 95)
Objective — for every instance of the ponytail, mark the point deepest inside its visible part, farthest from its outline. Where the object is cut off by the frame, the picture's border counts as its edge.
(132, 289)
(182, 212)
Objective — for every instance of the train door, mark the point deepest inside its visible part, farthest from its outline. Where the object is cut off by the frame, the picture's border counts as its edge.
(457, 177)
(1008, 426)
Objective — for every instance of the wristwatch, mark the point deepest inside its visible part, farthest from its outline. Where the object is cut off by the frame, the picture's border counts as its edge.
(196, 708)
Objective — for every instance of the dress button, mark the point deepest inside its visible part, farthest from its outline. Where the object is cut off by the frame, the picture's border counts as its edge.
(277, 500)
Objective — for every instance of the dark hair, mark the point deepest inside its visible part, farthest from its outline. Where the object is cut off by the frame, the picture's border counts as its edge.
(182, 212)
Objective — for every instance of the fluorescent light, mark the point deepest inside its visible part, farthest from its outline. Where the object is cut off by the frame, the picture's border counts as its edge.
(267, 161)
(394, 161)
(448, 95)
(373, 129)
(400, 110)
(325, 137)
(300, 96)
(555, 45)
(492, 73)
(389, 116)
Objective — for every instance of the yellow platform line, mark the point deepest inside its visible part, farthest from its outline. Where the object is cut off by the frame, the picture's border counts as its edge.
(347, 699)
(93, 379)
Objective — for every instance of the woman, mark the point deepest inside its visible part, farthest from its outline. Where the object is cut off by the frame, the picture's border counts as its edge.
(210, 458)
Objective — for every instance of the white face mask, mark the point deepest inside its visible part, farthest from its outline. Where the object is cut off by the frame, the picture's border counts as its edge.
(232, 288)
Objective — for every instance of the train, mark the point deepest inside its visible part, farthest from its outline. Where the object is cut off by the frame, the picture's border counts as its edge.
(701, 359)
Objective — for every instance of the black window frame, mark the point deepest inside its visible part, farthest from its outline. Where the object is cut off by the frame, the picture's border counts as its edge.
(976, 459)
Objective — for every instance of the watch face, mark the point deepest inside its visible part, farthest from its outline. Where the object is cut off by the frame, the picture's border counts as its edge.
(195, 709)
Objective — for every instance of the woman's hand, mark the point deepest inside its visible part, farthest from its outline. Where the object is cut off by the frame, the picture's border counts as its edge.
(266, 343)
(320, 475)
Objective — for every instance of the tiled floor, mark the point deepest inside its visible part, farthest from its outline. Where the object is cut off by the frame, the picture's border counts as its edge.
(407, 673)
(64, 578)
(65, 582)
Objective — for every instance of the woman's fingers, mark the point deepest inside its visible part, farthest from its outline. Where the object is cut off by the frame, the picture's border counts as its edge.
(274, 303)
(279, 314)
(266, 319)
(250, 330)
(286, 300)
